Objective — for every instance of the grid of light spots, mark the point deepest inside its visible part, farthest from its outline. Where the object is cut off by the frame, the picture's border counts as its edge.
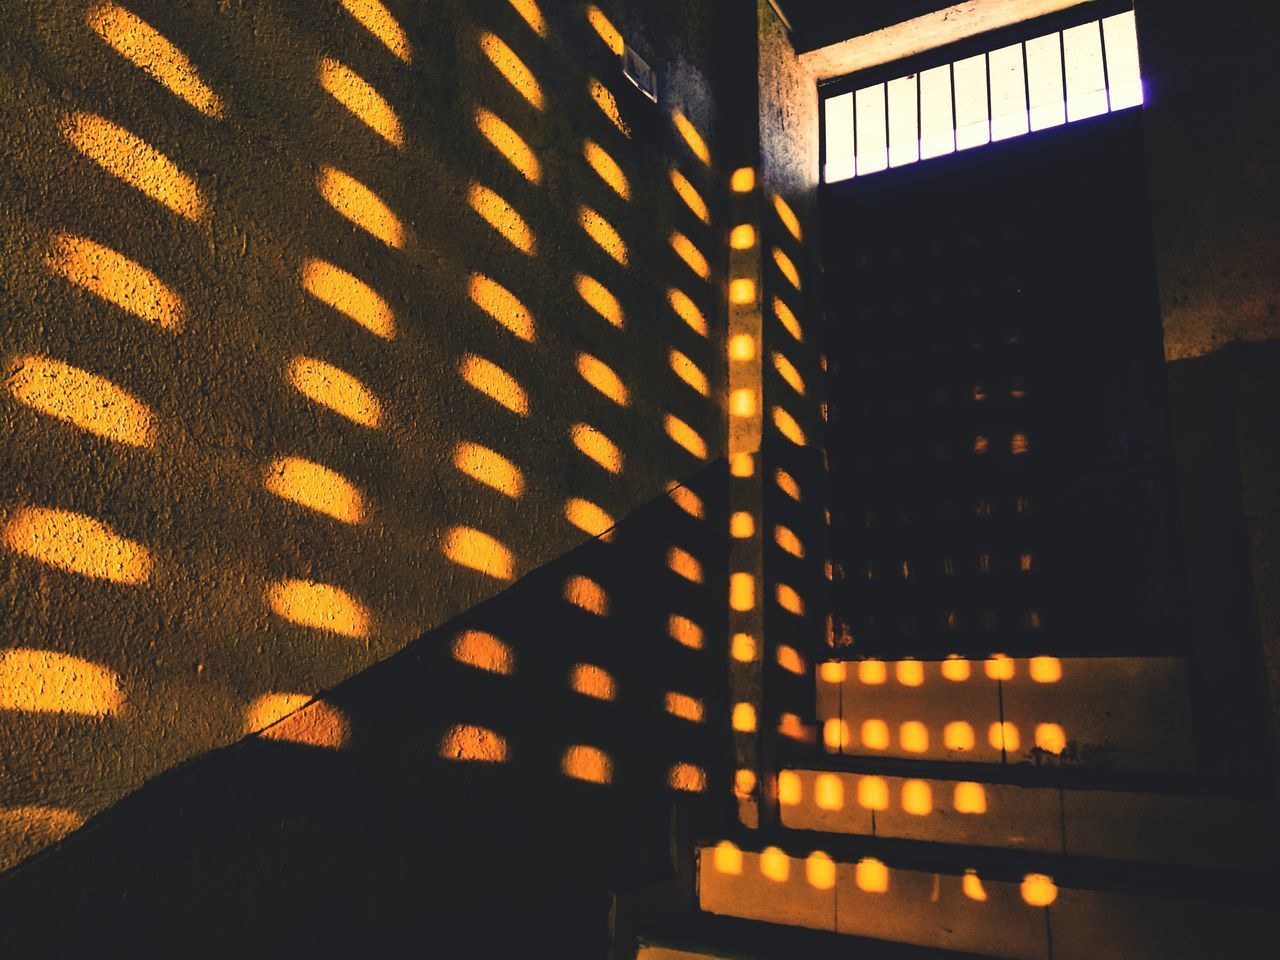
(1060, 77)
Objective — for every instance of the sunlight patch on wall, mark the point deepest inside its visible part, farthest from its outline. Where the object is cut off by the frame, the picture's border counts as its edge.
(378, 20)
(592, 681)
(484, 651)
(602, 377)
(26, 829)
(687, 777)
(362, 100)
(787, 267)
(350, 296)
(785, 538)
(742, 593)
(489, 467)
(727, 859)
(871, 876)
(478, 551)
(585, 594)
(92, 403)
(136, 162)
(689, 133)
(788, 427)
(788, 217)
(116, 279)
(789, 659)
(495, 383)
(529, 12)
(789, 600)
(500, 215)
(502, 305)
(298, 718)
(43, 681)
(742, 647)
(588, 517)
(691, 197)
(605, 28)
(691, 255)
(589, 764)
(602, 232)
(353, 200)
(689, 372)
(478, 744)
(684, 707)
(146, 48)
(77, 544)
(597, 296)
(684, 632)
(604, 99)
(512, 68)
(775, 865)
(335, 389)
(607, 169)
(687, 311)
(1038, 890)
(319, 606)
(743, 719)
(684, 564)
(685, 436)
(316, 487)
(742, 237)
(788, 320)
(971, 884)
(509, 143)
(595, 446)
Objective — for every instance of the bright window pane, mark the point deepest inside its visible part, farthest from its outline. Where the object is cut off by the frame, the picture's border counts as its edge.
(937, 132)
(1086, 82)
(1008, 93)
(873, 153)
(1121, 36)
(972, 125)
(838, 114)
(904, 134)
(1044, 76)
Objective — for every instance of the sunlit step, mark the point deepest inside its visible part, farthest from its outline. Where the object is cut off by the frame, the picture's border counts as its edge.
(1028, 918)
(1102, 712)
(1121, 825)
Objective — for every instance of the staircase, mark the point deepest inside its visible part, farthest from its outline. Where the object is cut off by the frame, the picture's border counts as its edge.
(1013, 808)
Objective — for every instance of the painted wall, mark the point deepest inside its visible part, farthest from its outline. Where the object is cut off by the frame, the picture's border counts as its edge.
(323, 322)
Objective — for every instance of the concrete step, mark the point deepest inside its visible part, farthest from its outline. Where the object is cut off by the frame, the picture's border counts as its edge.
(1100, 712)
(985, 910)
(1114, 824)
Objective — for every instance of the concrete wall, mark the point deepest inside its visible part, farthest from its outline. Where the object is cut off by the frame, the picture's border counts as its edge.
(274, 274)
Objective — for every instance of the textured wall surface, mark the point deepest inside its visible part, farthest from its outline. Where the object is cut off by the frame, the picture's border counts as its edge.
(323, 322)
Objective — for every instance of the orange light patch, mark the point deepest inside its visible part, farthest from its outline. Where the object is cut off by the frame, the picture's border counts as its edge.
(684, 564)
(744, 721)
(116, 279)
(602, 377)
(742, 593)
(592, 681)
(690, 135)
(595, 446)
(742, 465)
(1004, 736)
(910, 673)
(605, 28)
(602, 232)
(608, 105)
(297, 718)
(1038, 890)
(319, 606)
(689, 372)
(914, 736)
(788, 427)
(478, 551)
(742, 402)
(686, 500)
(336, 389)
(820, 871)
(353, 298)
(316, 487)
(478, 744)
(606, 168)
(489, 467)
(744, 783)
(873, 793)
(353, 200)
(788, 541)
(502, 305)
(743, 180)
(684, 632)
(146, 48)
(684, 707)
(742, 237)
(495, 383)
(788, 319)
(787, 484)
(484, 651)
(972, 886)
(1046, 669)
(690, 195)
(135, 162)
(691, 255)
(588, 764)
(512, 68)
(597, 296)
(362, 100)
(787, 216)
(789, 600)
(727, 859)
(529, 12)
(828, 792)
(743, 647)
(958, 735)
(685, 436)
(509, 143)
(687, 311)
(26, 829)
(742, 525)
(787, 267)
(872, 672)
(742, 292)
(588, 518)
(92, 403)
(775, 865)
(970, 798)
(1051, 738)
(500, 215)
(999, 667)
(687, 777)
(77, 544)
(836, 734)
(789, 373)
(917, 798)
(42, 681)
(586, 594)
(956, 669)
(377, 19)
(874, 734)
